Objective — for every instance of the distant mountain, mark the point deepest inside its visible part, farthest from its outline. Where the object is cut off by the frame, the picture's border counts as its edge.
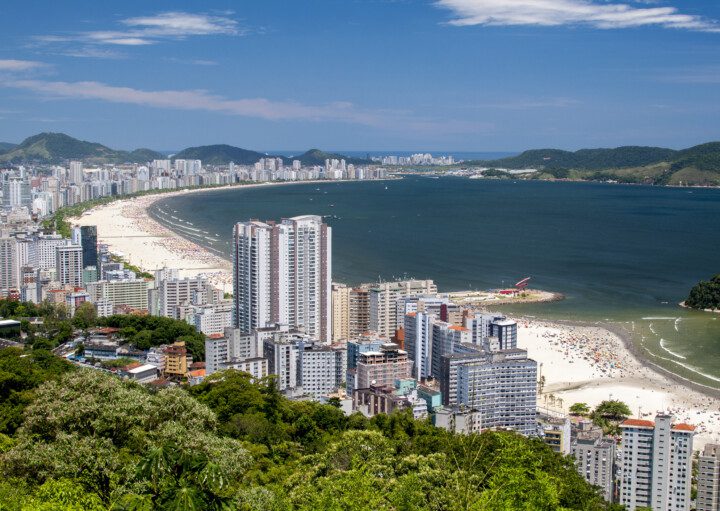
(223, 154)
(318, 157)
(698, 165)
(220, 154)
(586, 159)
(59, 147)
(6, 146)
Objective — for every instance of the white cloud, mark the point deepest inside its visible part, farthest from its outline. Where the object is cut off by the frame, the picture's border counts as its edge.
(183, 24)
(19, 65)
(596, 14)
(259, 108)
(146, 30)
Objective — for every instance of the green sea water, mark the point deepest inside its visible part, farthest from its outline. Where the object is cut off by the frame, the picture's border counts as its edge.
(620, 254)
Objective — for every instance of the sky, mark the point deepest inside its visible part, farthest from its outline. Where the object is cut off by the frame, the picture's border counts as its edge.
(363, 75)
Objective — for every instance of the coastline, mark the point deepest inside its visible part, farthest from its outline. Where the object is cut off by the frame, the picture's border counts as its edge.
(571, 373)
(593, 362)
(127, 229)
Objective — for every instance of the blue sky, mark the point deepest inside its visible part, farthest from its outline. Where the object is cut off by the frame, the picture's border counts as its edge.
(452, 75)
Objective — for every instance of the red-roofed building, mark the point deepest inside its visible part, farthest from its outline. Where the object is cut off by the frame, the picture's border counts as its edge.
(656, 464)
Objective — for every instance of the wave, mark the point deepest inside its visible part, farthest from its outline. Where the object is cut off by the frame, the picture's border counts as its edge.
(652, 329)
(677, 321)
(662, 345)
(649, 318)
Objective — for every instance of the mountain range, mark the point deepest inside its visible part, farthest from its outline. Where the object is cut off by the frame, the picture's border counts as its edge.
(698, 165)
(59, 147)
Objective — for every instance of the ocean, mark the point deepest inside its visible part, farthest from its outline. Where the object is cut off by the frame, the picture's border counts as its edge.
(620, 254)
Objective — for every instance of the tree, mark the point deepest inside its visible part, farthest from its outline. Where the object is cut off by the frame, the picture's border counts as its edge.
(612, 410)
(581, 409)
(85, 316)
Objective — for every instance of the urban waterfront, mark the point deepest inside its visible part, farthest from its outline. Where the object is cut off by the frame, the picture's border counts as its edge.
(625, 254)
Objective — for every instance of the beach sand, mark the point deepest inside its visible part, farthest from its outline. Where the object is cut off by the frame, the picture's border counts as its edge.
(589, 364)
(580, 363)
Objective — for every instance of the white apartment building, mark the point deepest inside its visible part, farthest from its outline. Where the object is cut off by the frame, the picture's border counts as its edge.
(8, 276)
(656, 464)
(282, 275)
(132, 293)
(418, 343)
(69, 265)
(384, 317)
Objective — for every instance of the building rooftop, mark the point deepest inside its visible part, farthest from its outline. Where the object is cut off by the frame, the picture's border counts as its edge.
(637, 423)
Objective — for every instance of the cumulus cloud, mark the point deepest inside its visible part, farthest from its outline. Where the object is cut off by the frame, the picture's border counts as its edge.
(603, 15)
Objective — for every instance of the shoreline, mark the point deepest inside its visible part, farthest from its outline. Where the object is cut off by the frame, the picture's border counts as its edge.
(145, 242)
(588, 362)
(129, 231)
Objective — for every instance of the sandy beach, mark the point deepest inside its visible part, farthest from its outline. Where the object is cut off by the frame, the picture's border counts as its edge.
(590, 364)
(580, 363)
(126, 228)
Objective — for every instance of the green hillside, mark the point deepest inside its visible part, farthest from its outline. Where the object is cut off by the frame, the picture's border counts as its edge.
(59, 147)
(219, 154)
(695, 166)
(6, 146)
(318, 157)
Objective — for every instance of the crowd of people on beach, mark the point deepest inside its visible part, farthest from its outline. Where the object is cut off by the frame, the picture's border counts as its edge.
(158, 241)
(610, 363)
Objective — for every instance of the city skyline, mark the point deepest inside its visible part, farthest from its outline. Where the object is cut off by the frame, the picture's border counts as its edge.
(448, 75)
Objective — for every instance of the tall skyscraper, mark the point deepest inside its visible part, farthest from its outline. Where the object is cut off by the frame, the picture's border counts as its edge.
(8, 278)
(656, 464)
(88, 241)
(69, 265)
(282, 275)
(76, 172)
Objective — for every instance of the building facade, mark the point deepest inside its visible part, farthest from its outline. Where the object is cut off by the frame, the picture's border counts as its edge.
(656, 464)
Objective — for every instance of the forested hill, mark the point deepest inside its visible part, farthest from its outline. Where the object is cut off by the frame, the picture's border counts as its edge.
(698, 165)
(59, 147)
(705, 295)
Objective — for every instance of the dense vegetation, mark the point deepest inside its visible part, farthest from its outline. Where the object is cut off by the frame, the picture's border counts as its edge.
(58, 147)
(144, 332)
(698, 165)
(57, 326)
(219, 154)
(90, 441)
(705, 294)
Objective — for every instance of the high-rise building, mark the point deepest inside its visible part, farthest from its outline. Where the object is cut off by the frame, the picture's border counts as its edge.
(708, 479)
(321, 369)
(444, 339)
(282, 275)
(656, 464)
(501, 385)
(382, 368)
(594, 457)
(253, 271)
(340, 312)
(131, 293)
(69, 265)
(8, 276)
(384, 317)
(76, 172)
(88, 241)
(418, 342)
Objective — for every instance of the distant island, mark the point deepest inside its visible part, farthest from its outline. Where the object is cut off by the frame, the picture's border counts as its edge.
(705, 295)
